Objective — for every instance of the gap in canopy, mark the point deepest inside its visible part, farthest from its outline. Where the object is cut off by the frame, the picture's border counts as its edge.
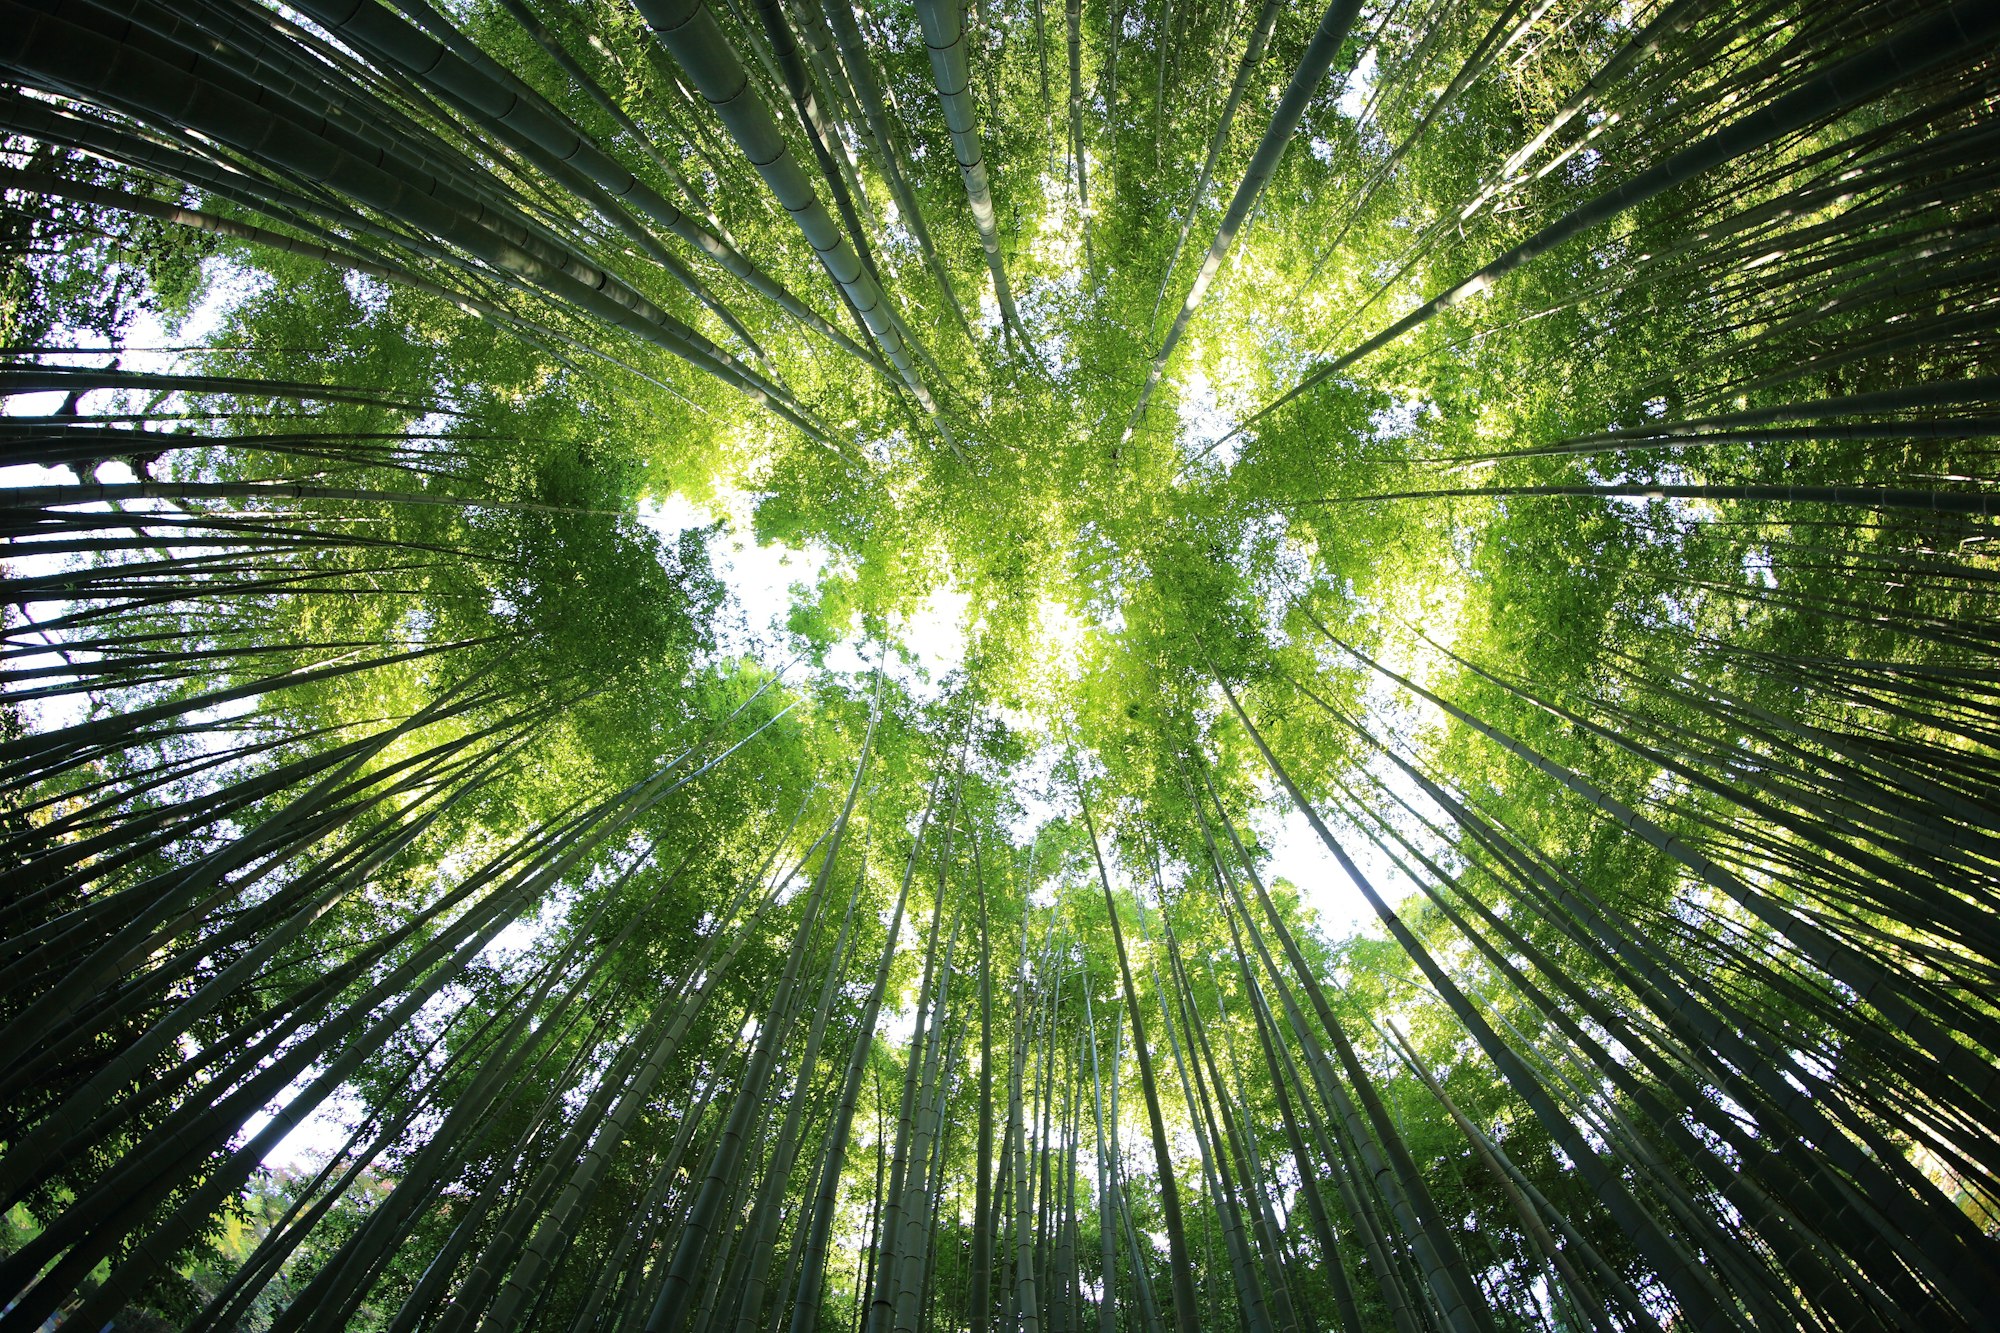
(766, 581)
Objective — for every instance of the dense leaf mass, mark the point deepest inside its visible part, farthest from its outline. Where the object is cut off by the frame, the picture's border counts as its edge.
(1384, 718)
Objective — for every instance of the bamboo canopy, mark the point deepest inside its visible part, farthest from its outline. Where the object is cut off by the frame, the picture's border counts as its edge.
(752, 665)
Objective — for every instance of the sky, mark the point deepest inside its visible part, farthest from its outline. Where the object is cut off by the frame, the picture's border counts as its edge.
(761, 580)
(146, 332)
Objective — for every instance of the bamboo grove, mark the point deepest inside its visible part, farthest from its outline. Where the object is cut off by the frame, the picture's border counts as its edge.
(1528, 461)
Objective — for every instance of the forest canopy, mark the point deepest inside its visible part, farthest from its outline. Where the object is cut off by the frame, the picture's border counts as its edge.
(1522, 468)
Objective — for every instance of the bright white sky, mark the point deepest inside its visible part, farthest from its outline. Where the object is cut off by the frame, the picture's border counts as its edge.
(764, 580)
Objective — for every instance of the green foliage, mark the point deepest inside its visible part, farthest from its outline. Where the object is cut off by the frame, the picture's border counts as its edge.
(1667, 791)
